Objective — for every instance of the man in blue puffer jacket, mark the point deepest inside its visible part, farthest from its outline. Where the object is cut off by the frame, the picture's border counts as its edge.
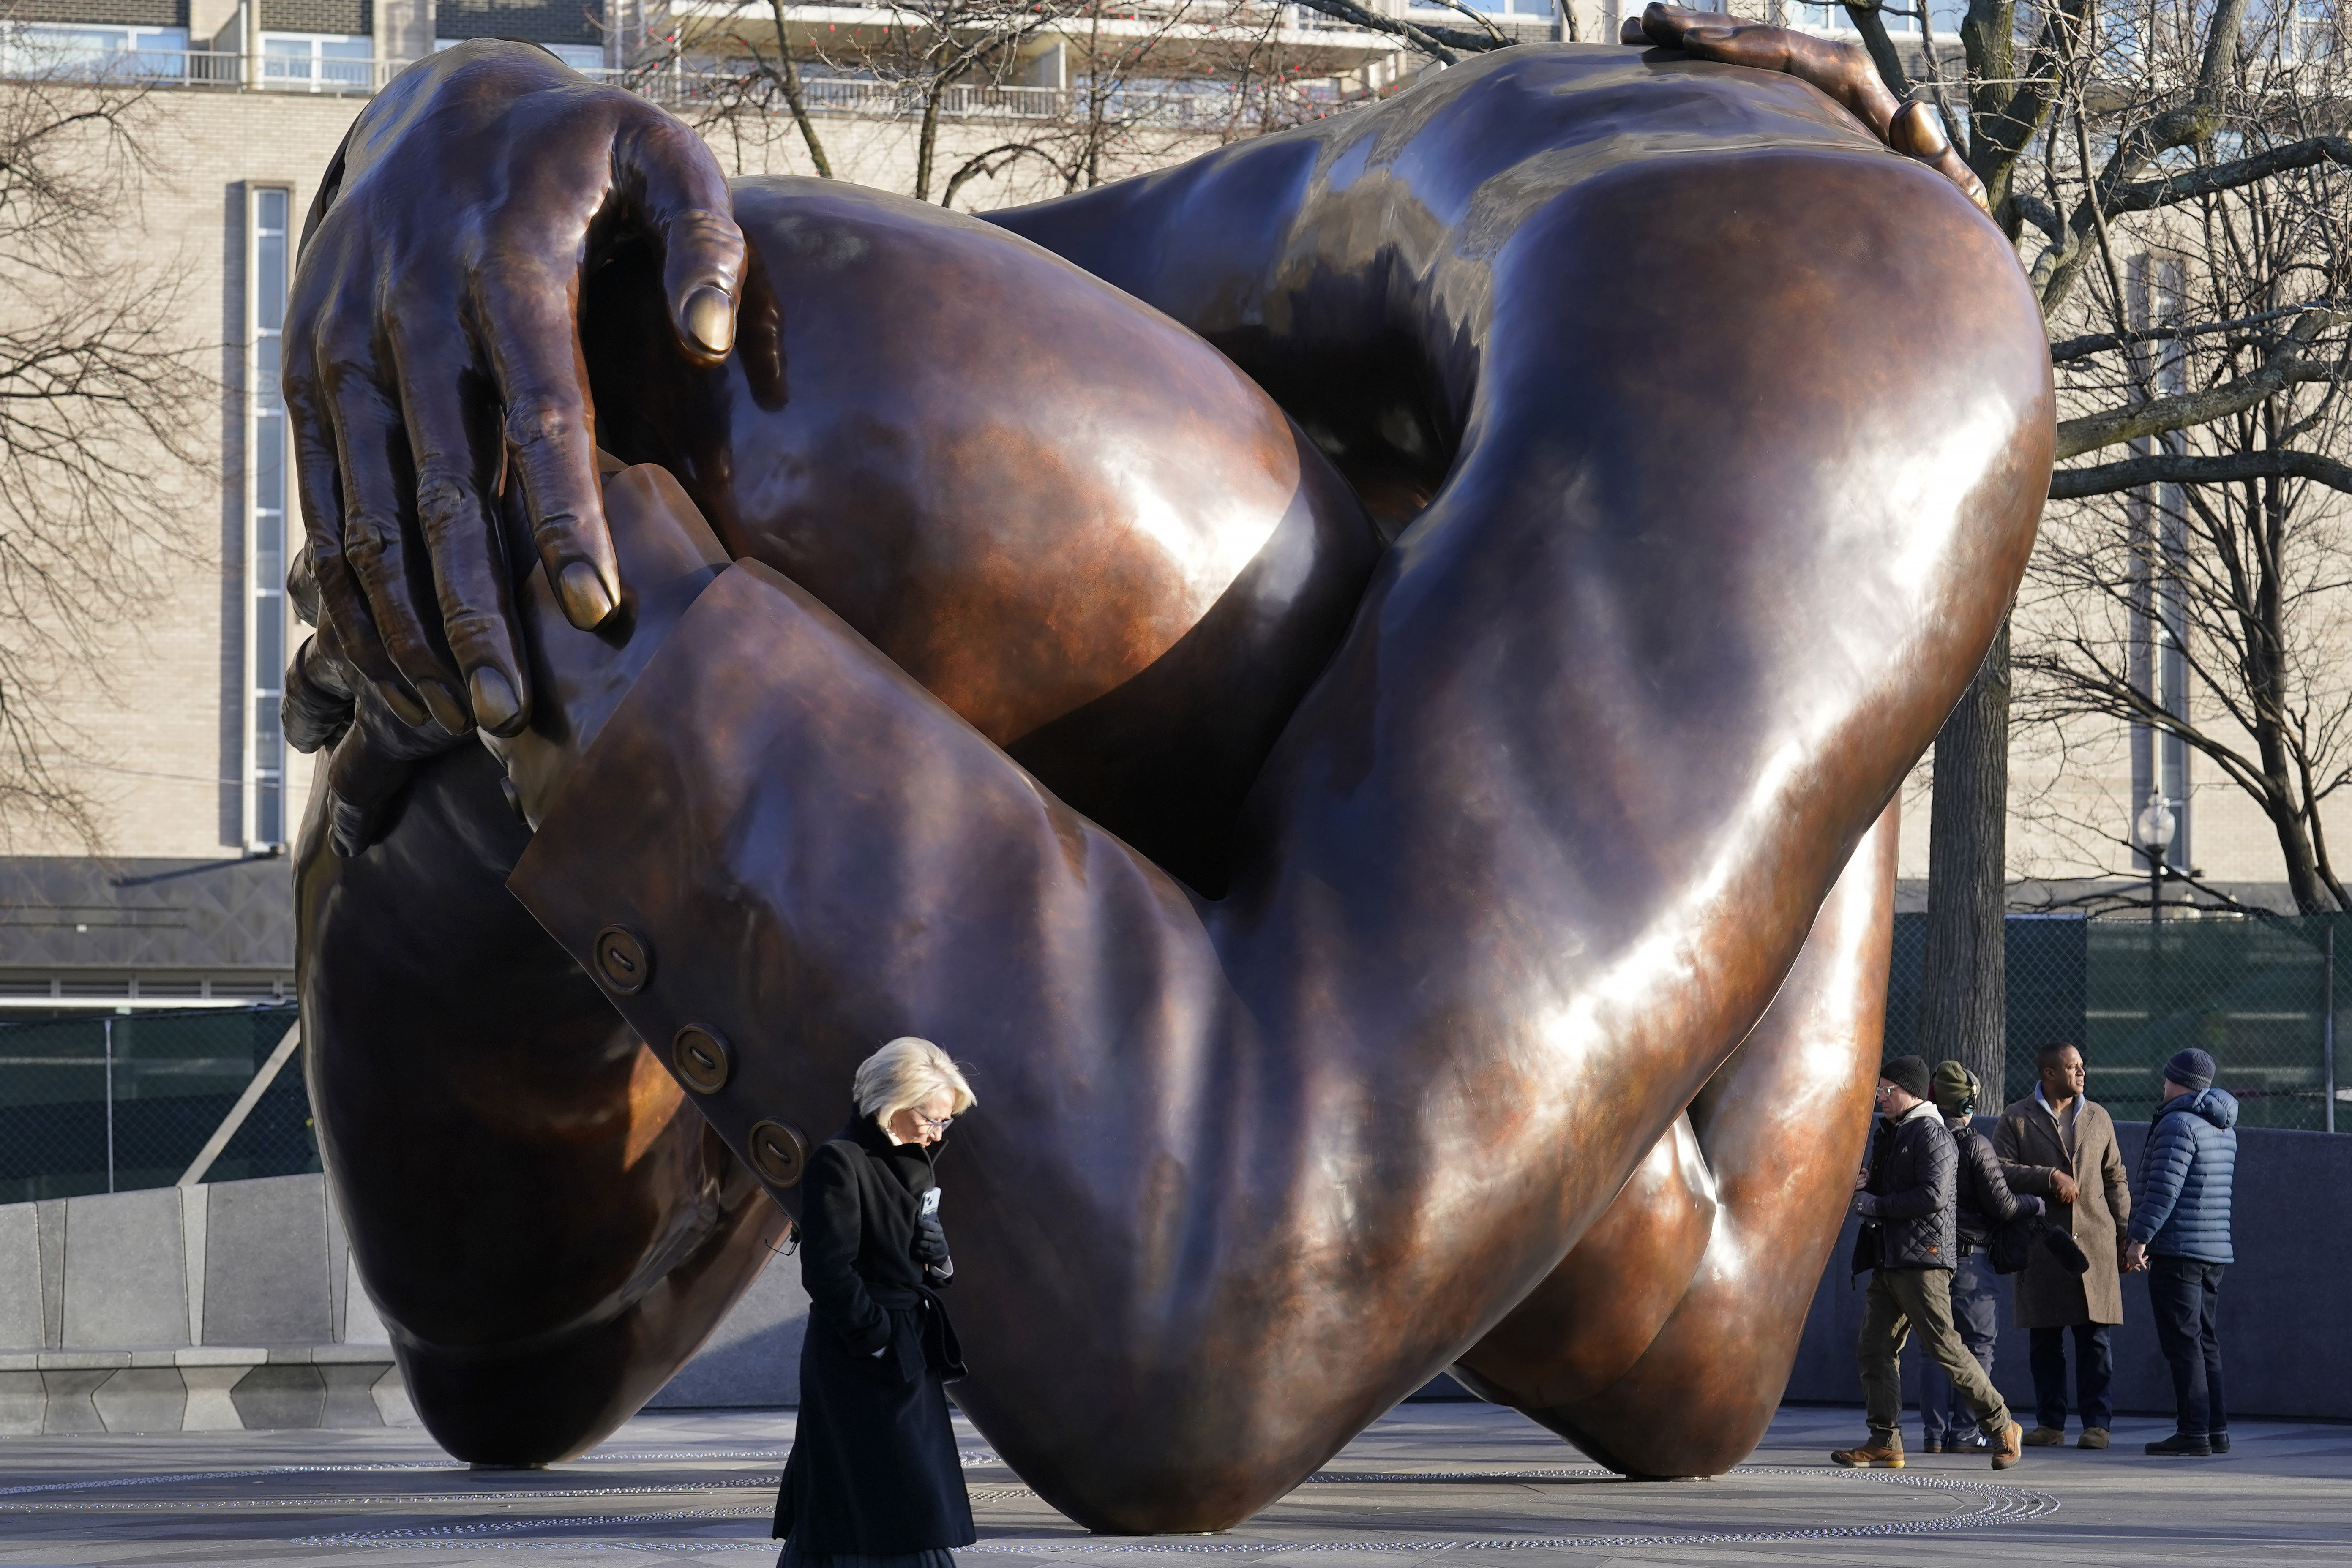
(2181, 1235)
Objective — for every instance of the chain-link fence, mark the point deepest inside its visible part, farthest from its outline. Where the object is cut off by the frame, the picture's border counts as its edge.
(2256, 993)
(113, 1103)
(120, 1102)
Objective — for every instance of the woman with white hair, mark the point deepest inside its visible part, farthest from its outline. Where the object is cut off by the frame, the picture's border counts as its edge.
(874, 1474)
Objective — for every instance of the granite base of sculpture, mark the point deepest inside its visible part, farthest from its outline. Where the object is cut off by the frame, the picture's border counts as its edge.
(1358, 682)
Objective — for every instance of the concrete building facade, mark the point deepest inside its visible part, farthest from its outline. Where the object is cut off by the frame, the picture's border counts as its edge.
(196, 793)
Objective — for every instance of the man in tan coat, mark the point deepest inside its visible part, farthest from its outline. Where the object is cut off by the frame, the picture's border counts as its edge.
(2056, 1144)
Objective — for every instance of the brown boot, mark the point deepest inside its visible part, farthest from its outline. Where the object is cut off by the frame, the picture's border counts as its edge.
(2009, 1447)
(1881, 1453)
(2093, 1438)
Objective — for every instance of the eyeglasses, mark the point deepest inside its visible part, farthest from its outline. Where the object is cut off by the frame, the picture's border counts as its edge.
(937, 1124)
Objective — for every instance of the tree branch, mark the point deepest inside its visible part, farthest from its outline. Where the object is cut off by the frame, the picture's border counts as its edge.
(2186, 410)
(2149, 195)
(2175, 468)
(1438, 43)
(2101, 342)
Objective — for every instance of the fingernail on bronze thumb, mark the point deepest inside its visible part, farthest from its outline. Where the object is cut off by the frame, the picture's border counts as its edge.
(710, 318)
(586, 602)
(495, 704)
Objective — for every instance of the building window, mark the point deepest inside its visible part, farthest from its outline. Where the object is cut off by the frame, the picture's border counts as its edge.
(1832, 21)
(80, 53)
(585, 59)
(318, 62)
(268, 209)
(1542, 9)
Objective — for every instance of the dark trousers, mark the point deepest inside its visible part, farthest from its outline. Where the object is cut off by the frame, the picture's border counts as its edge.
(1976, 1316)
(2094, 1369)
(2184, 1292)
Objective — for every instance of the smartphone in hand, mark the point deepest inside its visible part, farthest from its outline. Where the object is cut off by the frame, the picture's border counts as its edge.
(931, 1201)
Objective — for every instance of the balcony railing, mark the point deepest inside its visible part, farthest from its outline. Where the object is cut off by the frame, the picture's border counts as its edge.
(194, 67)
(1206, 108)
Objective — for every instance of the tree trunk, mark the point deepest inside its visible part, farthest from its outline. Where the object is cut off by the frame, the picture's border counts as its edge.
(1963, 995)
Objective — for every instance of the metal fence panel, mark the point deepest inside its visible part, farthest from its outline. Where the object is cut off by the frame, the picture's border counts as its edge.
(2253, 991)
(113, 1103)
(122, 1101)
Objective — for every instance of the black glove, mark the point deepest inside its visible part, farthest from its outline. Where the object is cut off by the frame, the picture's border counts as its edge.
(931, 1244)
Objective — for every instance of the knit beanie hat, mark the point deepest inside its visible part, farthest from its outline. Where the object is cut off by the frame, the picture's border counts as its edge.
(2191, 1069)
(1956, 1088)
(1909, 1074)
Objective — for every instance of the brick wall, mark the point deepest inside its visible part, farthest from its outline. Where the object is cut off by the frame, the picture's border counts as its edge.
(538, 21)
(350, 16)
(116, 12)
(156, 748)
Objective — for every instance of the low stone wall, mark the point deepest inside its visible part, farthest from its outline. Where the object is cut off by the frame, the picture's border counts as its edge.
(236, 1305)
(189, 1308)
(2281, 1352)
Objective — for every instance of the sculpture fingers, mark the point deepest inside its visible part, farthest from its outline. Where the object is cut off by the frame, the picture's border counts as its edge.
(455, 463)
(668, 174)
(379, 544)
(1845, 71)
(1918, 132)
(523, 302)
(318, 485)
(1738, 1213)
(318, 705)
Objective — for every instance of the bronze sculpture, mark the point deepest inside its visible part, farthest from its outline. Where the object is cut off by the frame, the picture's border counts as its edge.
(1487, 849)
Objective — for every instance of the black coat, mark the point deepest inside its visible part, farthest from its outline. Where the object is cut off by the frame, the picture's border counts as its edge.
(874, 1468)
(1985, 1202)
(1907, 1208)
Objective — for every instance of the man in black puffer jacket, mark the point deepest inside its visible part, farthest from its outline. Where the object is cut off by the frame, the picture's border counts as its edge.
(1907, 1198)
(1985, 1204)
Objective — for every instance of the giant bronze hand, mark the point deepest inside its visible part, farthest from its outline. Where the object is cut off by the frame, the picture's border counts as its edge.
(431, 360)
(1688, 598)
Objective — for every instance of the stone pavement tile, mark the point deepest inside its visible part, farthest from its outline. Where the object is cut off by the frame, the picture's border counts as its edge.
(1465, 1485)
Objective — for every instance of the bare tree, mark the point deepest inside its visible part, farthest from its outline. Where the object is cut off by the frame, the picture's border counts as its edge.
(2233, 564)
(1138, 83)
(1148, 84)
(100, 402)
(2105, 131)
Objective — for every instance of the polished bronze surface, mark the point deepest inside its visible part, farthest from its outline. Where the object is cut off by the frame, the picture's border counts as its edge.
(1701, 522)
(1661, 1343)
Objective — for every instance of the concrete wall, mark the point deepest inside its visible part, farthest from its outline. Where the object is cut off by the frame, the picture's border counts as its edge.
(753, 1359)
(237, 1263)
(268, 1325)
(2282, 1302)
(199, 1309)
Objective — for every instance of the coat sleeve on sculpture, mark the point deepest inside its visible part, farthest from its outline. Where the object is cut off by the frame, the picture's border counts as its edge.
(782, 851)
(2163, 1171)
(831, 1226)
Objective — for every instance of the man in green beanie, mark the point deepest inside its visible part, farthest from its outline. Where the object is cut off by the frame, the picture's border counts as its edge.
(1985, 1204)
(1906, 1197)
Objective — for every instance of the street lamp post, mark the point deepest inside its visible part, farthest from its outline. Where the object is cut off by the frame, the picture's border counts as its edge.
(2154, 833)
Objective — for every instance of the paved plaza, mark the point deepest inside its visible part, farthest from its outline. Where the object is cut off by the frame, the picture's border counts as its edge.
(1463, 1484)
